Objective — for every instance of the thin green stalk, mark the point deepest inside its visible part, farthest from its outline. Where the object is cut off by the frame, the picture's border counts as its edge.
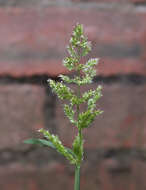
(77, 178)
(78, 111)
(77, 168)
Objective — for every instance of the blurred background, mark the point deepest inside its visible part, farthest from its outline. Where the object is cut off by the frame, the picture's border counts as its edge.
(33, 37)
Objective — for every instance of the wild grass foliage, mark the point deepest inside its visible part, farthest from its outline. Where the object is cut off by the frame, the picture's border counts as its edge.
(78, 47)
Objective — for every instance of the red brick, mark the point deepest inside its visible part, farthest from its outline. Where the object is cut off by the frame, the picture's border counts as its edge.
(26, 3)
(30, 177)
(30, 68)
(110, 1)
(139, 172)
(103, 178)
(108, 67)
(39, 3)
(121, 125)
(111, 174)
(99, 1)
(32, 41)
(21, 113)
(57, 176)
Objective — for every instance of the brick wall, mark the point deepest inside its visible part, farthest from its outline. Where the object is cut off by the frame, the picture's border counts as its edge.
(33, 36)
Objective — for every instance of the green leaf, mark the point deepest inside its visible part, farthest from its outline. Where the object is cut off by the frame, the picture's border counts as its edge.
(66, 152)
(41, 142)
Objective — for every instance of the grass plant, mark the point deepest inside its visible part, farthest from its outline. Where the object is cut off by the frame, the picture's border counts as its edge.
(78, 47)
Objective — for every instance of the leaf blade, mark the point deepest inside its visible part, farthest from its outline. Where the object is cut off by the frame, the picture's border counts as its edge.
(41, 142)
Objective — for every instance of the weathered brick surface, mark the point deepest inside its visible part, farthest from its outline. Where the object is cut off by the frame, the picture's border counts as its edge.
(111, 1)
(109, 67)
(114, 175)
(37, 3)
(33, 36)
(43, 3)
(102, 174)
(29, 177)
(21, 113)
(139, 172)
(121, 125)
(107, 174)
(31, 42)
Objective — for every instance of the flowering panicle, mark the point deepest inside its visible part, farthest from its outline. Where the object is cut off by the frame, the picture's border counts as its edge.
(78, 47)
